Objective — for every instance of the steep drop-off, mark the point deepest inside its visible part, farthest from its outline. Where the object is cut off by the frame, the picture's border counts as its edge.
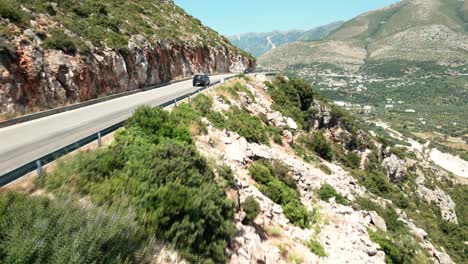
(53, 54)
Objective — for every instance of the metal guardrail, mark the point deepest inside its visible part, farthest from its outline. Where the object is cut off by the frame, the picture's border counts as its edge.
(59, 110)
(37, 164)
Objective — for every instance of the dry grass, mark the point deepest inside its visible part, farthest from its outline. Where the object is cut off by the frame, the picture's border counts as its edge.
(273, 231)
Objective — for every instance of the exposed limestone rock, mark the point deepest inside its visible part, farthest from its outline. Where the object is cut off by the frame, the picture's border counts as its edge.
(249, 248)
(439, 256)
(321, 117)
(378, 221)
(395, 167)
(439, 197)
(167, 256)
(291, 123)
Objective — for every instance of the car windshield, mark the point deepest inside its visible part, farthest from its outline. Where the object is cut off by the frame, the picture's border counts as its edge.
(198, 77)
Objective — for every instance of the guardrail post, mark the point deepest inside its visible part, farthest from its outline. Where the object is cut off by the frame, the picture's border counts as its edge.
(175, 102)
(189, 97)
(40, 172)
(99, 139)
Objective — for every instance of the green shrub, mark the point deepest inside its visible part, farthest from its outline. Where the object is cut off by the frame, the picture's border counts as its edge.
(292, 98)
(247, 126)
(278, 138)
(276, 183)
(297, 214)
(260, 173)
(251, 209)
(325, 168)
(226, 173)
(319, 144)
(60, 41)
(157, 125)
(327, 192)
(338, 115)
(39, 230)
(185, 115)
(12, 11)
(218, 120)
(316, 248)
(154, 168)
(354, 160)
(202, 103)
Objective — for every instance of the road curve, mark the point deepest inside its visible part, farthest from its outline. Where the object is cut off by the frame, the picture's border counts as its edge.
(29, 141)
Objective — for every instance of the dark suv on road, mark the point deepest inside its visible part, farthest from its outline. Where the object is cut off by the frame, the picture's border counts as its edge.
(201, 79)
(248, 70)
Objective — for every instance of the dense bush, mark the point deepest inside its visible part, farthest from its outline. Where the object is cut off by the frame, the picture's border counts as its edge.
(158, 125)
(319, 144)
(275, 182)
(217, 119)
(226, 173)
(292, 98)
(251, 209)
(185, 115)
(11, 10)
(247, 126)
(60, 41)
(202, 103)
(327, 192)
(39, 230)
(154, 168)
(351, 159)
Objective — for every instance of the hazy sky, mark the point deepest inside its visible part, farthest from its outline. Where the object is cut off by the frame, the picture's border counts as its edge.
(240, 16)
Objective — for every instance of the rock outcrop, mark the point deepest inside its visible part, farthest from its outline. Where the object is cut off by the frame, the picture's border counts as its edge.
(36, 78)
(440, 198)
(51, 60)
(396, 168)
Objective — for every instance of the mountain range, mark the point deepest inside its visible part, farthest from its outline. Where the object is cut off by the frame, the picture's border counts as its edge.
(410, 30)
(260, 43)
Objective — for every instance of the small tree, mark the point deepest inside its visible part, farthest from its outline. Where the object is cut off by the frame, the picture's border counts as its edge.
(321, 146)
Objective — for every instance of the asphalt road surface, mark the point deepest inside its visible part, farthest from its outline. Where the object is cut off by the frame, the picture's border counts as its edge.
(29, 141)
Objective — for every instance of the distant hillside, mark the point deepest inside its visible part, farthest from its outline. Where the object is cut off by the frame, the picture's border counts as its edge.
(260, 43)
(319, 32)
(410, 57)
(412, 30)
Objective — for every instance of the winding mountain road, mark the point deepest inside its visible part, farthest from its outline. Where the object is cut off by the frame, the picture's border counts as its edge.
(26, 142)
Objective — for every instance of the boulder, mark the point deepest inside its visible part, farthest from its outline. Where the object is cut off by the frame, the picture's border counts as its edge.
(395, 167)
(378, 221)
(291, 123)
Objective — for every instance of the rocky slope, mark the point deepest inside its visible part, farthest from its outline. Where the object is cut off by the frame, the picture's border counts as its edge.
(346, 229)
(411, 30)
(53, 54)
(260, 43)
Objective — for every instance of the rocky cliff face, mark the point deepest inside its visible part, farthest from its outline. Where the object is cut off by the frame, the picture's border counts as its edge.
(36, 78)
(40, 68)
